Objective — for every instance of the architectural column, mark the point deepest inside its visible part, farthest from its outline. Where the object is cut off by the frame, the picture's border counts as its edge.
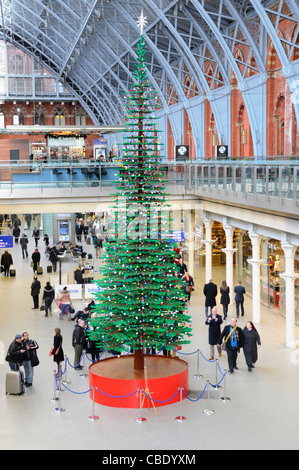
(229, 251)
(289, 276)
(256, 262)
(209, 246)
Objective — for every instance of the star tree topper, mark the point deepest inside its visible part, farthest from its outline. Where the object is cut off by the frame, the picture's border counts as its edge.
(142, 22)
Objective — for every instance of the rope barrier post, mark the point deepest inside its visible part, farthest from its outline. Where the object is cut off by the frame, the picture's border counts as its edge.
(224, 398)
(198, 375)
(59, 409)
(55, 398)
(140, 419)
(181, 418)
(93, 417)
(83, 375)
(208, 411)
(66, 380)
(216, 387)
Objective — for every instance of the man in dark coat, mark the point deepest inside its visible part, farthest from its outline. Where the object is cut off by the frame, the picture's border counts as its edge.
(35, 290)
(234, 340)
(15, 353)
(214, 321)
(239, 298)
(210, 291)
(6, 262)
(23, 243)
(79, 342)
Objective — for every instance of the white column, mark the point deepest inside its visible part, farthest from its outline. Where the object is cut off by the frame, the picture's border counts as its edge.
(209, 244)
(229, 251)
(191, 251)
(256, 262)
(289, 276)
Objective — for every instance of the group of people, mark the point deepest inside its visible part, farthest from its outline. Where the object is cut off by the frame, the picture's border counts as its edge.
(22, 352)
(232, 339)
(210, 291)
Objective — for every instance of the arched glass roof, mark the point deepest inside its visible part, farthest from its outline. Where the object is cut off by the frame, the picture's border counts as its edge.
(193, 46)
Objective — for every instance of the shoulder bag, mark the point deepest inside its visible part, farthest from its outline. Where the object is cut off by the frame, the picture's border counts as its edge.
(226, 340)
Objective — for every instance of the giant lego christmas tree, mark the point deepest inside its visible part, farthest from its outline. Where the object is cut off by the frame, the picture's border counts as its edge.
(141, 303)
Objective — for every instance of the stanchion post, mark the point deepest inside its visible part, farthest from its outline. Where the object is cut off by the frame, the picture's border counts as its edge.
(59, 409)
(55, 398)
(216, 387)
(197, 375)
(140, 419)
(83, 375)
(93, 417)
(224, 398)
(66, 380)
(181, 418)
(208, 411)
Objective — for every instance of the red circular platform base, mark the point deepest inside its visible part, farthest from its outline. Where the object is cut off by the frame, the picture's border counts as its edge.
(115, 378)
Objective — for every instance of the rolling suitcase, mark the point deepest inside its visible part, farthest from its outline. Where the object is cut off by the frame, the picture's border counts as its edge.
(15, 384)
(39, 270)
(12, 272)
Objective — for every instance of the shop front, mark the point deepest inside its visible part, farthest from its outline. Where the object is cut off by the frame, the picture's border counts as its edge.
(64, 149)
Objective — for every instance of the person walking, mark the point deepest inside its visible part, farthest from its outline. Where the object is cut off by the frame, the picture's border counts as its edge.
(98, 245)
(53, 257)
(225, 298)
(214, 321)
(66, 303)
(181, 267)
(210, 291)
(35, 260)
(24, 243)
(36, 235)
(79, 342)
(239, 298)
(15, 353)
(16, 233)
(234, 341)
(57, 351)
(48, 297)
(6, 262)
(30, 347)
(188, 286)
(35, 290)
(251, 342)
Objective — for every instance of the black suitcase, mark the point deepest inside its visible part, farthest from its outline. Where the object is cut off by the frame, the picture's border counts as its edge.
(14, 382)
(49, 269)
(12, 272)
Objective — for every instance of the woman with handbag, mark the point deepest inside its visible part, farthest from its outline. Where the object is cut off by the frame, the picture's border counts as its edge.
(66, 303)
(57, 351)
(188, 286)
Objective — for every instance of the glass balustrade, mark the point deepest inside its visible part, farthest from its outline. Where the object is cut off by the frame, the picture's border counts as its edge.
(269, 178)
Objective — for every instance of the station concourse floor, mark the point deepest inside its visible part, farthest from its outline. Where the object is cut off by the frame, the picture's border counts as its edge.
(263, 412)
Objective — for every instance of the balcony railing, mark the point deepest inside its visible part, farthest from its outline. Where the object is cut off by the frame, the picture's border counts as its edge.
(236, 181)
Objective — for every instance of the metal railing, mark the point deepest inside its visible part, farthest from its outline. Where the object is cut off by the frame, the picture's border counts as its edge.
(271, 178)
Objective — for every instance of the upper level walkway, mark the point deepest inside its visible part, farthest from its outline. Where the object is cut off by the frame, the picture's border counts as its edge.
(267, 185)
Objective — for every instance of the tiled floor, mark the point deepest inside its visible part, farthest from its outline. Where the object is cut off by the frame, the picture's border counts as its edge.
(263, 412)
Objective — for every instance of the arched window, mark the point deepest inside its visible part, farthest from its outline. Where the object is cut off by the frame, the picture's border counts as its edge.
(80, 119)
(18, 118)
(39, 118)
(59, 118)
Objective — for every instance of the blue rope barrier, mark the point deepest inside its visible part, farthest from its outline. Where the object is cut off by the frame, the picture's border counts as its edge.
(196, 399)
(116, 396)
(161, 401)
